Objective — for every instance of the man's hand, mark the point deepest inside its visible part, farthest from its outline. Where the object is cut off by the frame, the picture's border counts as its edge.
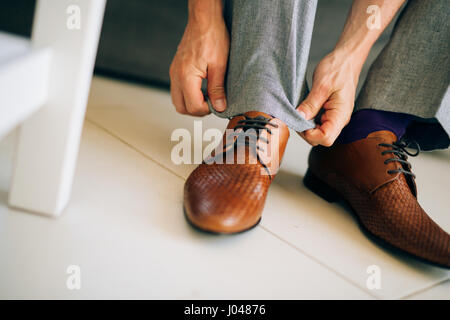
(202, 54)
(334, 86)
(336, 77)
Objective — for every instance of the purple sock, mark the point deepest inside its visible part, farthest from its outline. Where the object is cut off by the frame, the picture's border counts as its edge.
(366, 121)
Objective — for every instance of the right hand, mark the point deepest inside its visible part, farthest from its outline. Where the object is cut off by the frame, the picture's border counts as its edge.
(333, 89)
(202, 54)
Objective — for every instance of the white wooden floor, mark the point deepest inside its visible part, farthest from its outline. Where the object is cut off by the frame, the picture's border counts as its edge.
(124, 226)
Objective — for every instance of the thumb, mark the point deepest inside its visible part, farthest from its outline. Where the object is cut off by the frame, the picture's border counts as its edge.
(311, 106)
(216, 88)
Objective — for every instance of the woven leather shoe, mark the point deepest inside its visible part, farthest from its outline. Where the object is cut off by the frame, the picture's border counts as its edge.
(373, 176)
(227, 192)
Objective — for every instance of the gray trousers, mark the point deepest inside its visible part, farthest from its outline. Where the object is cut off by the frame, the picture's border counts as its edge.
(269, 50)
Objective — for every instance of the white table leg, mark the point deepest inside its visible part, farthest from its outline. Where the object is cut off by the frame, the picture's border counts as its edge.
(49, 140)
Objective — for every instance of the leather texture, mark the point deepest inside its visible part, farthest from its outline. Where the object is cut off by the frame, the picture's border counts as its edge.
(229, 198)
(385, 203)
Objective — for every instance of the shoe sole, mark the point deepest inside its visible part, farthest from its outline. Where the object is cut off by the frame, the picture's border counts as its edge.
(323, 190)
(194, 226)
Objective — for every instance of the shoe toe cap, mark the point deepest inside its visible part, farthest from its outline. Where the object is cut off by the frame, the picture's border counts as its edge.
(220, 205)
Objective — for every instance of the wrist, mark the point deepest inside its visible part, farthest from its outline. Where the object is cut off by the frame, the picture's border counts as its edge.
(356, 49)
(351, 61)
(355, 43)
(356, 52)
(204, 12)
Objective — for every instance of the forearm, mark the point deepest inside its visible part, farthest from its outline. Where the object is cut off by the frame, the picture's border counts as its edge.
(359, 33)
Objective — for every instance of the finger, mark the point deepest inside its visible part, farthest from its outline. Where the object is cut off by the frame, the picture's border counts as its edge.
(336, 116)
(313, 103)
(326, 133)
(312, 136)
(193, 96)
(216, 88)
(177, 97)
(302, 134)
(317, 136)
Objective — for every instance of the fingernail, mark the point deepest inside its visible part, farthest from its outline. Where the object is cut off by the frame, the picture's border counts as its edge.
(302, 114)
(219, 105)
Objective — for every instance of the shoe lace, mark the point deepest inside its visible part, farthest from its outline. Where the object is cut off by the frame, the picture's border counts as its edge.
(258, 124)
(400, 152)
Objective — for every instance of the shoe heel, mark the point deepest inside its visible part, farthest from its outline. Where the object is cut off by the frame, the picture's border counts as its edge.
(320, 188)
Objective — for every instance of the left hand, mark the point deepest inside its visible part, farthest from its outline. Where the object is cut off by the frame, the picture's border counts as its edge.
(334, 87)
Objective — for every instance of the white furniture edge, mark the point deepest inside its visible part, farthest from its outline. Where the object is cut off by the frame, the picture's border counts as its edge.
(23, 86)
(48, 140)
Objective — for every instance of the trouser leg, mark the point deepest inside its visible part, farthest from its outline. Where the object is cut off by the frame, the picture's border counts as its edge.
(269, 50)
(411, 74)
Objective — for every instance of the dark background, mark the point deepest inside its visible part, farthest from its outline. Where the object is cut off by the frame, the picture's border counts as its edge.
(139, 37)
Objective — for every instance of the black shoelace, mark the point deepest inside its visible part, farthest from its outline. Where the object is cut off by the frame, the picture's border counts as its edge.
(400, 152)
(258, 124)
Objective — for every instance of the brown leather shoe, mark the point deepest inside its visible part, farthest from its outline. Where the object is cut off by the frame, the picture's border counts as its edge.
(374, 178)
(227, 192)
